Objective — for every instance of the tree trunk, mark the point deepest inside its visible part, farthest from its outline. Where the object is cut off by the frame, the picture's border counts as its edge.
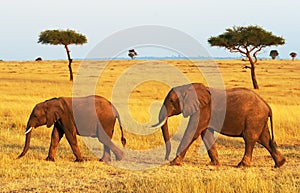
(253, 76)
(70, 62)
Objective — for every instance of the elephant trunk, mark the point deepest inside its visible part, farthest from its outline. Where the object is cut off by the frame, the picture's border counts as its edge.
(163, 123)
(27, 141)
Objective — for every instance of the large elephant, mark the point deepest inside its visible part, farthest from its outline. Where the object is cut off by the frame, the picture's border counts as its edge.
(246, 116)
(91, 116)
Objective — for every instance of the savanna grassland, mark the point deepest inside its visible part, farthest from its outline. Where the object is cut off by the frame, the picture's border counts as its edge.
(23, 84)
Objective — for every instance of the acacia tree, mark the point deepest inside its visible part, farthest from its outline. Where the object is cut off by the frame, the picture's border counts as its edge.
(65, 38)
(248, 41)
(132, 54)
(293, 55)
(274, 54)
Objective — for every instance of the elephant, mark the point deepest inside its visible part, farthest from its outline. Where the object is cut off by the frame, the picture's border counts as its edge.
(246, 115)
(92, 116)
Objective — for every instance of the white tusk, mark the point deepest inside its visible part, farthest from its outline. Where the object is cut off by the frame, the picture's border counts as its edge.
(159, 124)
(28, 130)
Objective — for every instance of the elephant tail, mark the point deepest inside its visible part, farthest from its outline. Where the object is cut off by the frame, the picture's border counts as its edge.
(271, 124)
(123, 140)
(272, 141)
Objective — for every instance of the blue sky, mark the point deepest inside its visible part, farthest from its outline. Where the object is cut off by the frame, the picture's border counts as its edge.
(22, 21)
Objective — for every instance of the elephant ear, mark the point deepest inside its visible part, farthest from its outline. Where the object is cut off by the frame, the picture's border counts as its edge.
(194, 98)
(54, 111)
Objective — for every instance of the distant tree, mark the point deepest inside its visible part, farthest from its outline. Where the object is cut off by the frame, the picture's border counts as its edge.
(38, 59)
(65, 38)
(293, 55)
(132, 53)
(248, 41)
(274, 54)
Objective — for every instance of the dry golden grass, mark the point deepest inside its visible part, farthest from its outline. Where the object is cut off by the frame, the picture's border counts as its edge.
(23, 84)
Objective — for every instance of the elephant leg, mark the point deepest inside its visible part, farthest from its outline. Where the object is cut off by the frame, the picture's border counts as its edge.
(166, 136)
(106, 154)
(105, 138)
(270, 145)
(181, 153)
(106, 151)
(72, 140)
(57, 134)
(209, 141)
(249, 145)
(251, 135)
(190, 135)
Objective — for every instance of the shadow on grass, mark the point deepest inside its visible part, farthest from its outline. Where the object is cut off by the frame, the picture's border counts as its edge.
(230, 142)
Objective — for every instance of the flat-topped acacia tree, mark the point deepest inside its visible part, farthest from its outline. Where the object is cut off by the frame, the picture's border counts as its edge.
(248, 41)
(293, 55)
(274, 54)
(65, 38)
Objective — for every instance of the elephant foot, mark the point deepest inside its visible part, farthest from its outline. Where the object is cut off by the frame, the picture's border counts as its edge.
(120, 156)
(280, 163)
(105, 159)
(214, 163)
(49, 158)
(243, 164)
(79, 160)
(176, 162)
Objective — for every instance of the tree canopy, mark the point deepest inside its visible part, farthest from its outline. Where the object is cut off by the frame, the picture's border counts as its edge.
(65, 38)
(293, 55)
(132, 53)
(248, 41)
(61, 37)
(274, 54)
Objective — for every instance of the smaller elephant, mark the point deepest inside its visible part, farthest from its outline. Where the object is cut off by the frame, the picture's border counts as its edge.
(92, 116)
(246, 116)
